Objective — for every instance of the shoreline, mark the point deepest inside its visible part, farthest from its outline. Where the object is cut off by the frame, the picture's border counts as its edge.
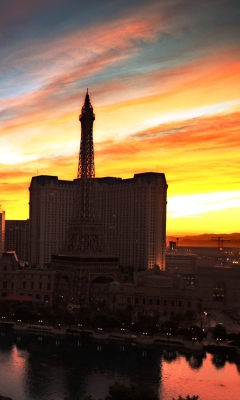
(142, 340)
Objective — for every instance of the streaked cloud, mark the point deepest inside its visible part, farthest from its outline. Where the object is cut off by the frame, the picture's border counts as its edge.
(164, 82)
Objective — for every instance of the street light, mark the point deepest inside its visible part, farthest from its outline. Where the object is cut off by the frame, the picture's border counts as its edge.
(219, 340)
(168, 335)
(194, 339)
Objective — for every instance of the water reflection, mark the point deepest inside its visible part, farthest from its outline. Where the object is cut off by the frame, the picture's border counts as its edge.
(169, 355)
(50, 368)
(196, 361)
(219, 360)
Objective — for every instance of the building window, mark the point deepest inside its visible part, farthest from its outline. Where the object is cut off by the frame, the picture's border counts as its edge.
(179, 303)
(136, 300)
(219, 292)
(165, 303)
(24, 285)
(40, 285)
(151, 302)
(143, 301)
(189, 304)
(49, 286)
(4, 285)
(32, 285)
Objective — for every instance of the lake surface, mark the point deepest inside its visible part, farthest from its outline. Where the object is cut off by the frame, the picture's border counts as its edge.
(36, 367)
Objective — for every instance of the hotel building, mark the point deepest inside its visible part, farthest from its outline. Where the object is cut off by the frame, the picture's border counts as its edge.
(2, 230)
(132, 211)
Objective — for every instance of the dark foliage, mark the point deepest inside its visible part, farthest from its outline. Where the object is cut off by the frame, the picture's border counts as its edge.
(219, 332)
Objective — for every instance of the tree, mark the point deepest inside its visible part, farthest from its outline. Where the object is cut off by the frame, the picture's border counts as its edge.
(23, 312)
(4, 308)
(118, 391)
(145, 323)
(190, 315)
(219, 332)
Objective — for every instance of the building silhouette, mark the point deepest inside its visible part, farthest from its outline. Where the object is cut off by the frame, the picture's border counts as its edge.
(132, 212)
(22, 284)
(84, 257)
(17, 238)
(2, 231)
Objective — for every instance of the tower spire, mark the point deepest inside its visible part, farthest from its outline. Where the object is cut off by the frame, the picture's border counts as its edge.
(84, 254)
(86, 155)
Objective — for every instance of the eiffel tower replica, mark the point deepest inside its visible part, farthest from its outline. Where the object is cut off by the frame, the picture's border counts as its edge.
(84, 256)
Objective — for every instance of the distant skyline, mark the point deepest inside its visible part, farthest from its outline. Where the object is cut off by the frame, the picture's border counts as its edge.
(163, 78)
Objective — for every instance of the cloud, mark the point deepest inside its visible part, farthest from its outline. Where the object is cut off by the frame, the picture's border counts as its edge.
(163, 80)
(184, 206)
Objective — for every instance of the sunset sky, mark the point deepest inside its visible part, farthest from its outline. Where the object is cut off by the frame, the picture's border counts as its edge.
(164, 81)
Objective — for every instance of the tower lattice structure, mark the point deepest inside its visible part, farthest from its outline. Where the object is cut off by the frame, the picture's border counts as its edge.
(86, 155)
(84, 255)
(85, 233)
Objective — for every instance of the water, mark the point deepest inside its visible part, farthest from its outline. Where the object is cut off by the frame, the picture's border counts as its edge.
(40, 368)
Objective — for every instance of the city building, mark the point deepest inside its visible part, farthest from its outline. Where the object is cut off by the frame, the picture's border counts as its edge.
(17, 238)
(2, 230)
(168, 294)
(132, 212)
(218, 287)
(153, 292)
(177, 261)
(50, 209)
(19, 283)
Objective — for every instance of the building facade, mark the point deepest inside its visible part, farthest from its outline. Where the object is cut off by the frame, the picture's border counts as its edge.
(50, 209)
(169, 294)
(2, 231)
(132, 211)
(134, 215)
(153, 293)
(17, 238)
(17, 282)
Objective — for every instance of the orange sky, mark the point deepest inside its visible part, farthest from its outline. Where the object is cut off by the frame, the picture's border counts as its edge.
(163, 78)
